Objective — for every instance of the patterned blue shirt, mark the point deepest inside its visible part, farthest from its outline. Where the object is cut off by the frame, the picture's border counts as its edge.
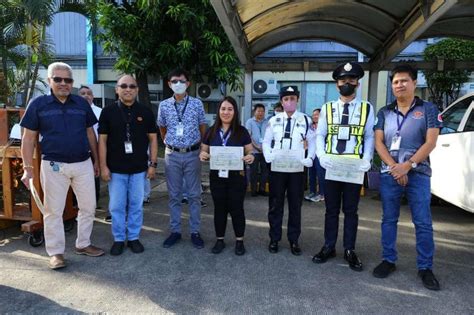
(421, 116)
(191, 118)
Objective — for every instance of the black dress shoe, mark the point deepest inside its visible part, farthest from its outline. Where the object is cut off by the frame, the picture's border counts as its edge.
(295, 248)
(354, 261)
(117, 248)
(218, 247)
(273, 247)
(429, 280)
(239, 248)
(323, 255)
(136, 246)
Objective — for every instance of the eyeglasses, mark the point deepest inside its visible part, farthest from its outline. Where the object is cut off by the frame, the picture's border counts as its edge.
(130, 86)
(180, 81)
(59, 80)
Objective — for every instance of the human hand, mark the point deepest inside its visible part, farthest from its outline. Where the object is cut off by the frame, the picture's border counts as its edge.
(403, 181)
(399, 169)
(27, 174)
(308, 162)
(96, 169)
(249, 158)
(204, 156)
(269, 157)
(151, 172)
(105, 174)
(325, 161)
(365, 166)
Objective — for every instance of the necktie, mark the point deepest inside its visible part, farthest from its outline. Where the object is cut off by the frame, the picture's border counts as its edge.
(288, 128)
(341, 144)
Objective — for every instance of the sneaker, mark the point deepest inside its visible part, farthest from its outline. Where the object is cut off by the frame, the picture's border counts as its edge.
(57, 262)
(172, 239)
(136, 246)
(117, 248)
(90, 250)
(239, 248)
(197, 240)
(184, 201)
(384, 269)
(316, 198)
(429, 280)
(108, 218)
(203, 204)
(321, 197)
(309, 196)
(218, 247)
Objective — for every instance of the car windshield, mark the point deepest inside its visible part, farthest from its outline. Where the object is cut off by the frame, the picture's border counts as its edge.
(453, 116)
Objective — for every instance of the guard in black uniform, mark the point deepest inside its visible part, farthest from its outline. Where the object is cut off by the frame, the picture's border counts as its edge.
(287, 131)
(345, 129)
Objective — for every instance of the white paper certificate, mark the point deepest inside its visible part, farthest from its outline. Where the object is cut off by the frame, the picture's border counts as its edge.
(226, 158)
(345, 169)
(287, 161)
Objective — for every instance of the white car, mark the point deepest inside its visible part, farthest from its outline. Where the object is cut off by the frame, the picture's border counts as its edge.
(452, 160)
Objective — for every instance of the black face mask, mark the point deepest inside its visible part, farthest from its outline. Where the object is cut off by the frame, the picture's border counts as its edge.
(347, 89)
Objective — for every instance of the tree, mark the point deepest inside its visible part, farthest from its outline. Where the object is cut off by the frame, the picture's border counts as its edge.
(444, 85)
(150, 37)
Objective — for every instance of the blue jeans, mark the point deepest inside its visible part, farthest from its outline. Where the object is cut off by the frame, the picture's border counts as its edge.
(147, 189)
(419, 196)
(179, 167)
(126, 205)
(317, 171)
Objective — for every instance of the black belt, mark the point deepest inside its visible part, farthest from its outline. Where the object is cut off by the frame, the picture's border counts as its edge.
(184, 150)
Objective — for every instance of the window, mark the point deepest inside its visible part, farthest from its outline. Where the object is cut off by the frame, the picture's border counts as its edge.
(453, 116)
(319, 93)
(470, 122)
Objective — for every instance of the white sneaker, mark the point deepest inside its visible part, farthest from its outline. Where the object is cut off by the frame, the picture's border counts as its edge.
(310, 196)
(315, 198)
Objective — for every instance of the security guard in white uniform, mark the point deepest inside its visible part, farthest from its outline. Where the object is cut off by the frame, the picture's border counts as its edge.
(345, 128)
(289, 130)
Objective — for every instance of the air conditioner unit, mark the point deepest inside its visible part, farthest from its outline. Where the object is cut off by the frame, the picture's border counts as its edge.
(205, 92)
(265, 87)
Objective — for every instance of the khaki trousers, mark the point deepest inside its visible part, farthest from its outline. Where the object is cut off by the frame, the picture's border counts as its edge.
(55, 181)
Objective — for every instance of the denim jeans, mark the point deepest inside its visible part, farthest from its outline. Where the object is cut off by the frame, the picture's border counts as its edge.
(126, 205)
(147, 189)
(418, 194)
(317, 171)
(178, 167)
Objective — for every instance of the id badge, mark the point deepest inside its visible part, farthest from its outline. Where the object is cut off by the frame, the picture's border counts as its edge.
(224, 173)
(344, 133)
(180, 130)
(395, 146)
(55, 166)
(128, 147)
(286, 143)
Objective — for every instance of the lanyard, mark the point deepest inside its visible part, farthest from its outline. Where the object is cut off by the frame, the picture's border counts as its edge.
(224, 136)
(128, 132)
(184, 109)
(399, 125)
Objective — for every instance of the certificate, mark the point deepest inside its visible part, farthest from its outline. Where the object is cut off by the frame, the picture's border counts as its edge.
(287, 161)
(226, 158)
(345, 169)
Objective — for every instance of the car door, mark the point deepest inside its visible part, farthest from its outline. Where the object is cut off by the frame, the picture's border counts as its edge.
(451, 160)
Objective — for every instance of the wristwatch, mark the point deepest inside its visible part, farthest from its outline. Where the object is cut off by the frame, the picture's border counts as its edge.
(152, 164)
(413, 164)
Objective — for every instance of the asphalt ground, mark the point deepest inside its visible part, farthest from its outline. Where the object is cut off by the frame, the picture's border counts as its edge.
(186, 280)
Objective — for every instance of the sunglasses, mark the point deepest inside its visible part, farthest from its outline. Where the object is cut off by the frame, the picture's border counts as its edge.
(180, 81)
(59, 80)
(130, 86)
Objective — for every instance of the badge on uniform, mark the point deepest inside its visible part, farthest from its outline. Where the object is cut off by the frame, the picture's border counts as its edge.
(343, 133)
(180, 129)
(128, 147)
(396, 141)
(224, 173)
(286, 143)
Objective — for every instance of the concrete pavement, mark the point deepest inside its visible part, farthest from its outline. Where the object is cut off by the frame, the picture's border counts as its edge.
(187, 280)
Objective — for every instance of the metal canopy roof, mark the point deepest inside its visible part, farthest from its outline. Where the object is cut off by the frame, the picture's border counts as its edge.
(380, 29)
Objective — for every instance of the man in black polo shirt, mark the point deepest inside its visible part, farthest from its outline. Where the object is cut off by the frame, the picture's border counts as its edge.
(126, 129)
(65, 123)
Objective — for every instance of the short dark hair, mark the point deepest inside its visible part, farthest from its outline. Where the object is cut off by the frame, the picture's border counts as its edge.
(84, 87)
(278, 104)
(178, 72)
(317, 110)
(405, 68)
(259, 105)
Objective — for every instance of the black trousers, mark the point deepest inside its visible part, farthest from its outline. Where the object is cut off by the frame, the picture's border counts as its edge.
(97, 189)
(258, 173)
(228, 196)
(349, 193)
(280, 184)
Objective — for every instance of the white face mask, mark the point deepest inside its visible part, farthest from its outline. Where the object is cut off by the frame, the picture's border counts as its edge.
(179, 88)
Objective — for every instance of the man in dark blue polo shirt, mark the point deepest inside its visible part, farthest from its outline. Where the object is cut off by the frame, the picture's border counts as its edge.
(65, 123)
(405, 134)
